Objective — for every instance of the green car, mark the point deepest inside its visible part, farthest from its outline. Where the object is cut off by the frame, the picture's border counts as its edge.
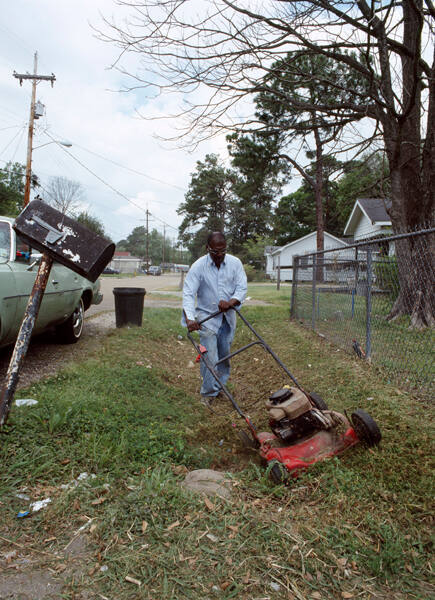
(65, 300)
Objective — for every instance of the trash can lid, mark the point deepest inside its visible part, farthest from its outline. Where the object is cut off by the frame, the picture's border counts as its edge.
(129, 291)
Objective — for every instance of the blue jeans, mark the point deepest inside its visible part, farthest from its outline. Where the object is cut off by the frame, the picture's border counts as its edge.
(218, 345)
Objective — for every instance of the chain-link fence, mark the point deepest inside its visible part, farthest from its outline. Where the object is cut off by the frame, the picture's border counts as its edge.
(375, 299)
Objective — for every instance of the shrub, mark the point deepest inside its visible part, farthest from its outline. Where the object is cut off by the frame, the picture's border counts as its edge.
(387, 275)
(250, 272)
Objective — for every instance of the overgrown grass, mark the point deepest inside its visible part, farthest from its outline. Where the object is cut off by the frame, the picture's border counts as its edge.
(358, 526)
(405, 353)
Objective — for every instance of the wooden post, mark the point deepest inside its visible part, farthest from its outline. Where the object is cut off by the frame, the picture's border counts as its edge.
(181, 284)
(278, 279)
(369, 304)
(294, 286)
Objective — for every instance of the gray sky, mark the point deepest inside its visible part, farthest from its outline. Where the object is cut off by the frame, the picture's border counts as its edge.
(85, 109)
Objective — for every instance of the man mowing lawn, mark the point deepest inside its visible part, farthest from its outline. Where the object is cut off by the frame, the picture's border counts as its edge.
(217, 281)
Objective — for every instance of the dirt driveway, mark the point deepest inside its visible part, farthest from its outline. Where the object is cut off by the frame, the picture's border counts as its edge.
(151, 283)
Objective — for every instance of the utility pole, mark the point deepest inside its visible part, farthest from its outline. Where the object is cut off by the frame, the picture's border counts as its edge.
(164, 240)
(35, 78)
(147, 242)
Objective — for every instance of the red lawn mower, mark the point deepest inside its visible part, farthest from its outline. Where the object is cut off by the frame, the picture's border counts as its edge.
(303, 429)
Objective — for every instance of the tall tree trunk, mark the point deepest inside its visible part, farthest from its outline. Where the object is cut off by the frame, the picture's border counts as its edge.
(411, 162)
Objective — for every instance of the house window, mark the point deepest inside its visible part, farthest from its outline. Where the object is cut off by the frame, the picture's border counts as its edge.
(303, 261)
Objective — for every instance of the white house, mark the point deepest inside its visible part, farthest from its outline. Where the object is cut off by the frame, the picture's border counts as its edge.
(269, 260)
(305, 245)
(368, 219)
(124, 262)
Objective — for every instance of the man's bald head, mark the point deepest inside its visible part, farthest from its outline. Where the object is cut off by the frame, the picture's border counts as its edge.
(217, 236)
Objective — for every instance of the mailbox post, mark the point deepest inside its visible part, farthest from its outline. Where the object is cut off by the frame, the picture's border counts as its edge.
(24, 335)
(66, 241)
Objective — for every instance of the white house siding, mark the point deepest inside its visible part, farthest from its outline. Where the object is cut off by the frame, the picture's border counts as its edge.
(301, 247)
(366, 229)
(269, 265)
(126, 265)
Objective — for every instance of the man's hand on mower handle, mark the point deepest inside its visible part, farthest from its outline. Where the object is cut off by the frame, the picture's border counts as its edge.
(192, 325)
(224, 305)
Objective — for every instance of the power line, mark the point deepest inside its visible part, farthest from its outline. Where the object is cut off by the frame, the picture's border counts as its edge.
(18, 144)
(12, 140)
(108, 184)
(12, 127)
(177, 187)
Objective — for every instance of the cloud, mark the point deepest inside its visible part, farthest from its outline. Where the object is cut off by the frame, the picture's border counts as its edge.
(84, 108)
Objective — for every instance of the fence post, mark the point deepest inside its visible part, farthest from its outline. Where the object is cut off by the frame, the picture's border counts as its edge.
(181, 284)
(313, 292)
(278, 279)
(355, 286)
(294, 286)
(356, 267)
(369, 304)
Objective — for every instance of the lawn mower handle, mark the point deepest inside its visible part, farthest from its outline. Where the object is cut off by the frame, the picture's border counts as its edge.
(261, 341)
(215, 314)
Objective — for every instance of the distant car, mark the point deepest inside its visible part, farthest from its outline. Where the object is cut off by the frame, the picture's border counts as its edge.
(66, 296)
(110, 271)
(154, 271)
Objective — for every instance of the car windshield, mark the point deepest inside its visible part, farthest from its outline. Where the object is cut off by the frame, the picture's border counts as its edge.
(5, 241)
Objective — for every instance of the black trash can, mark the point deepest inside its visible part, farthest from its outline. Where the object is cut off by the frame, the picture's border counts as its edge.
(129, 306)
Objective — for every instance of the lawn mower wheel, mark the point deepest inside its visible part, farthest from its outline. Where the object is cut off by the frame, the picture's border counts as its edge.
(366, 428)
(318, 401)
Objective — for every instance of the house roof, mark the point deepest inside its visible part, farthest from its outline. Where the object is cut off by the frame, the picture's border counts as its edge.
(312, 234)
(372, 208)
(270, 249)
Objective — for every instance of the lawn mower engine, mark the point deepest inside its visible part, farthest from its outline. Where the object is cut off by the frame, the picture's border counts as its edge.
(292, 415)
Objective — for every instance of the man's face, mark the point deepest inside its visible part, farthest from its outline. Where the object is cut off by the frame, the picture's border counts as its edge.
(217, 250)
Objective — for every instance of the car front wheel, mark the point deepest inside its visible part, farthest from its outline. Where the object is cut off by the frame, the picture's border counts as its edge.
(71, 331)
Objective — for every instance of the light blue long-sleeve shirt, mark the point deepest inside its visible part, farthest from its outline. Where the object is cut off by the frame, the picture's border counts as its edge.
(209, 285)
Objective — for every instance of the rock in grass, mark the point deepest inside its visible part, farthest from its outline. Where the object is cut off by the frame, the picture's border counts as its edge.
(207, 481)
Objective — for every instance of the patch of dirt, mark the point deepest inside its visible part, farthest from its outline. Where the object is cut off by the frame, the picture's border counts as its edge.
(41, 576)
(46, 356)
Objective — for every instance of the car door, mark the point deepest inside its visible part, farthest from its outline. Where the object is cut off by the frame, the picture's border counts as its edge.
(25, 267)
(66, 289)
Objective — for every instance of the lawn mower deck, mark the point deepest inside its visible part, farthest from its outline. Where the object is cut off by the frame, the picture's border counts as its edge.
(303, 430)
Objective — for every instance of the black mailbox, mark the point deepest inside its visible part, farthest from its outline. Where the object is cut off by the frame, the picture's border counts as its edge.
(66, 241)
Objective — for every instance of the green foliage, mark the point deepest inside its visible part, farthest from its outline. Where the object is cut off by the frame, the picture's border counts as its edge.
(252, 252)
(237, 201)
(366, 178)
(92, 223)
(387, 275)
(11, 189)
(159, 247)
(208, 202)
(260, 176)
(297, 84)
(295, 214)
(250, 272)
(287, 109)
